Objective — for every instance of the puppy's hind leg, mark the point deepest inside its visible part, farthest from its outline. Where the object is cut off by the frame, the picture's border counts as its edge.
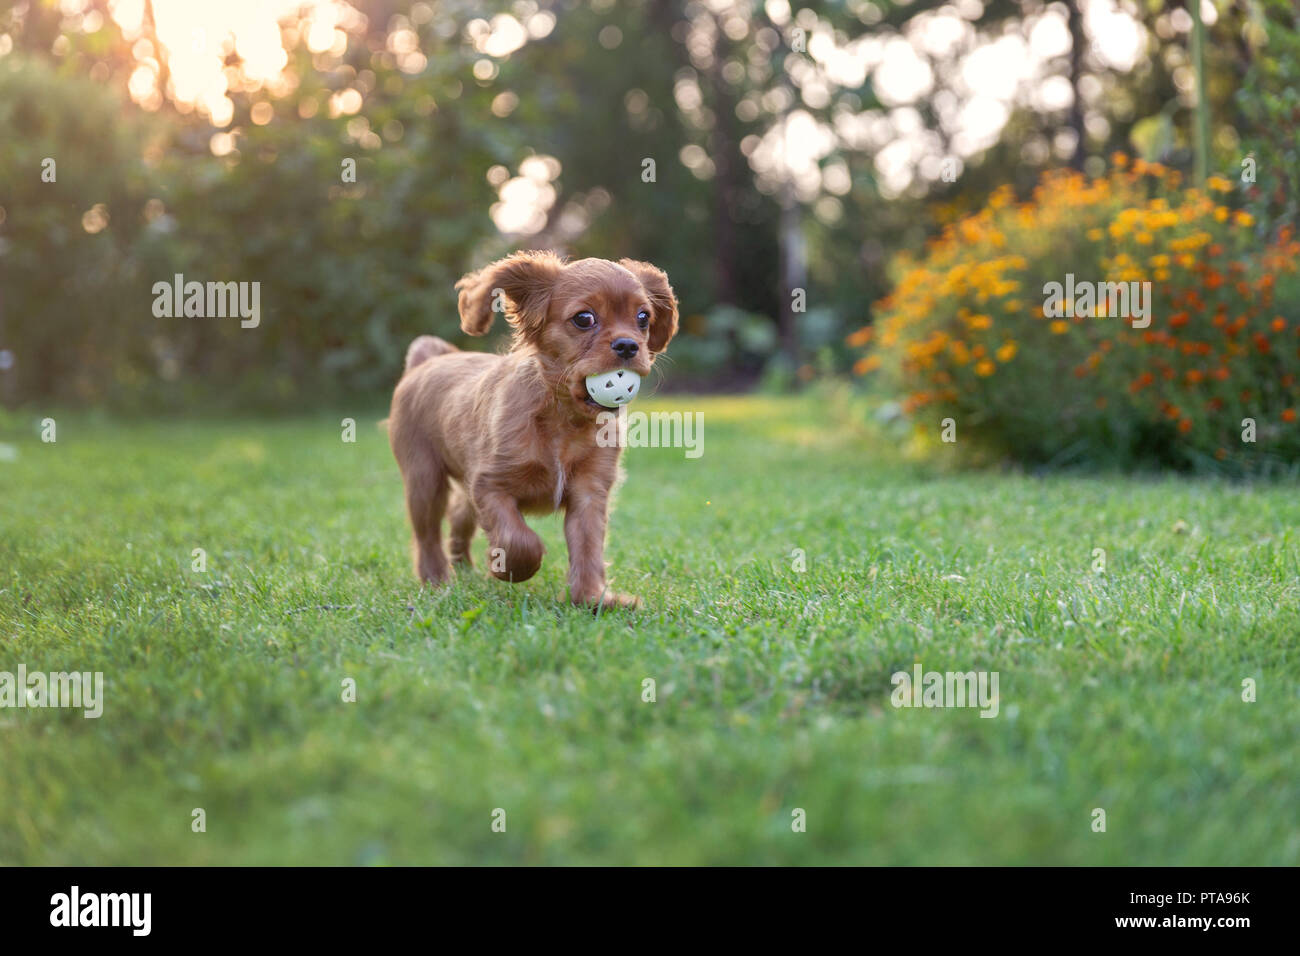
(426, 500)
(463, 524)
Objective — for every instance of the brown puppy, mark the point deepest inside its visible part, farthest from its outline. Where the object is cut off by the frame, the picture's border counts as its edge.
(489, 438)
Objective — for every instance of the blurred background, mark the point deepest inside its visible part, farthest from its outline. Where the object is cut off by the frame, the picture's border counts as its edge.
(775, 158)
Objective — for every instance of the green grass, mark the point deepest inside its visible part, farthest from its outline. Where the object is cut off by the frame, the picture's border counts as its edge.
(1119, 690)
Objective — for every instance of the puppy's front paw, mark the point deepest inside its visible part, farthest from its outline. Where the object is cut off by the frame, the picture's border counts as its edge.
(517, 557)
(431, 568)
(609, 601)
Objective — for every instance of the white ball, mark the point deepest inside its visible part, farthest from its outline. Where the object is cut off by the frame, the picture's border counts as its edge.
(612, 389)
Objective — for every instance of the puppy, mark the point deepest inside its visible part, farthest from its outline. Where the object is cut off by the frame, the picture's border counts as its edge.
(488, 438)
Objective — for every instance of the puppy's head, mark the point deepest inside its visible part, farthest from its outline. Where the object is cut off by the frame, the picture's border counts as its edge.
(582, 318)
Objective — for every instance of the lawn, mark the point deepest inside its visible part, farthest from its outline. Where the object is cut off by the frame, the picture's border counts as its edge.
(1119, 690)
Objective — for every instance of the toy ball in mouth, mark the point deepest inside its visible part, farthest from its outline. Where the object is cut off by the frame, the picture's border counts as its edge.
(612, 389)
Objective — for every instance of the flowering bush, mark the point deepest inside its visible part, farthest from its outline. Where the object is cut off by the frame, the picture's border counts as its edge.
(976, 332)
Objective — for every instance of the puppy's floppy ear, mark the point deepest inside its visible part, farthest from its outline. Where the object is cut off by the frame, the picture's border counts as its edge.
(663, 324)
(520, 285)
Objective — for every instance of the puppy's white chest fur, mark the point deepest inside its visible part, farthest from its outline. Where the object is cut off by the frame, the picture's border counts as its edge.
(560, 478)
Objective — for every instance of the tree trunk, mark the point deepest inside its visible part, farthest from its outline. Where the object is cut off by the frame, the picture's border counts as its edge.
(1078, 44)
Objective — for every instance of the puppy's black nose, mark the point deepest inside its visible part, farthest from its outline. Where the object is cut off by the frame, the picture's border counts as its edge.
(625, 347)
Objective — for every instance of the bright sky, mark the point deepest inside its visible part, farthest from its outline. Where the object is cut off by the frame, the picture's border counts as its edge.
(196, 36)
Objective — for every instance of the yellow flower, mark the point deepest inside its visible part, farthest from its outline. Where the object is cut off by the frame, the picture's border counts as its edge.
(981, 321)
(1219, 184)
(985, 368)
(1059, 327)
(1243, 218)
(1007, 352)
(1094, 234)
(1143, 238)
(1220, 213)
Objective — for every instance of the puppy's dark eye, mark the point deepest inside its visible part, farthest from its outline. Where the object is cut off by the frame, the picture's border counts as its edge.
(584, 320)
(643, 320)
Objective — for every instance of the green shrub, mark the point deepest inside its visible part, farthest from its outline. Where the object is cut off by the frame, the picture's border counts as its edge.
(969, 333)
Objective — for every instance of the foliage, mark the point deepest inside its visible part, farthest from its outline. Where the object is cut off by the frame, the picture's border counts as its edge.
(350, 271)
(965, 336)
(1269, 99)
(73, 272)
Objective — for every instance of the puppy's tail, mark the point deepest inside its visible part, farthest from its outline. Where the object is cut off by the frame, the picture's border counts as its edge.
(426, 347)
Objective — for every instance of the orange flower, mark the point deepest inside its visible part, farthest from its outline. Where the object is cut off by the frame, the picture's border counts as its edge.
(1288, 415)
(1279, 324)
(1185, 425)
(984, 368)
(1179, 319)
(1141, 382)
(866, 364)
